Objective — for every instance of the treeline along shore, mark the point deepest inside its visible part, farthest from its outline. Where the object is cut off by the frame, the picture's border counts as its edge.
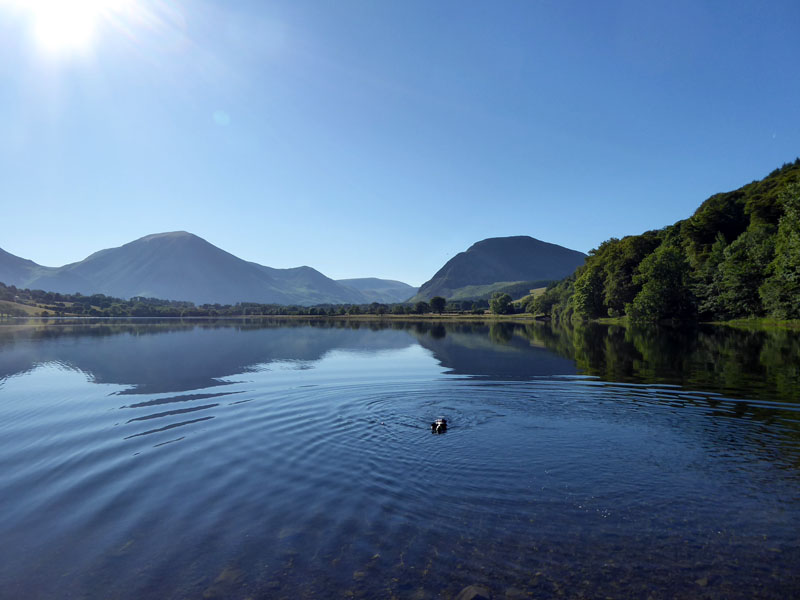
(15, 302)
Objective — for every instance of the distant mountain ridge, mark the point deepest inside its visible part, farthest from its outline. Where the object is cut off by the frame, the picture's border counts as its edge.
(182, 266)
(501, 260)
(386, 291)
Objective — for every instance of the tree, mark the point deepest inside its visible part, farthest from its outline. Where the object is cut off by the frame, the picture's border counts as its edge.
(709, 280)
(589, 293)
(437, 304)
(621, 259)
(557, 299)
(743, 271)
(666, 290)
(500, 304)
(421, 307)
(780, 292)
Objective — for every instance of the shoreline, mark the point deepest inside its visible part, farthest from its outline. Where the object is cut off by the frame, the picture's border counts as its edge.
(759, 323)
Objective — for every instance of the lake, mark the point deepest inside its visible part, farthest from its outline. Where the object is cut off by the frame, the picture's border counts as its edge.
(295, 459)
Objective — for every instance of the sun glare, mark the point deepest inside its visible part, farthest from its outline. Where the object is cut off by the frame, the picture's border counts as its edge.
(61, 26)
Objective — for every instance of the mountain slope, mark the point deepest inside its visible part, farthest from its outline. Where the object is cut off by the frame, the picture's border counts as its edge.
(380, 290)
(15, 270)
(506, 259)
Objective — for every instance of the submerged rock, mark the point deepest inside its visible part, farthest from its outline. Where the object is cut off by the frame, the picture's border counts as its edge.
(225, 585)
(516, 594)
(474, 592)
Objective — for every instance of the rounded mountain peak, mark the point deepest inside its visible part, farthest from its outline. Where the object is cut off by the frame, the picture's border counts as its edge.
(508, 242)
(168, 235)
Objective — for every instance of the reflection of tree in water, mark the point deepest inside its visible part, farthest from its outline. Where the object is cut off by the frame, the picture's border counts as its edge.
(763, 364)
(782, 348)
(745, 367)
(501, 333)
(438, 332)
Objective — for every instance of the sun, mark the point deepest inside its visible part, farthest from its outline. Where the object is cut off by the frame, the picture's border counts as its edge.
(70, 26)
(64, 26)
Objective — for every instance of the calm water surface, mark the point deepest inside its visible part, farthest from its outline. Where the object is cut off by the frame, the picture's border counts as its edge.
(166, 459)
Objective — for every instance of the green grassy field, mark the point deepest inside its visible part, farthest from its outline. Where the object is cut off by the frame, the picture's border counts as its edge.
(16, 309)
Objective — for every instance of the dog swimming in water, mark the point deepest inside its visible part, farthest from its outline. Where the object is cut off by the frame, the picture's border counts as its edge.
(439, 425)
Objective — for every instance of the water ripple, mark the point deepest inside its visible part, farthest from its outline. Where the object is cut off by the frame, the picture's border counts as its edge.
(311, 483)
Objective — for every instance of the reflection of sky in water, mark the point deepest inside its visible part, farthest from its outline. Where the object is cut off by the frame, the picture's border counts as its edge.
(299, 461)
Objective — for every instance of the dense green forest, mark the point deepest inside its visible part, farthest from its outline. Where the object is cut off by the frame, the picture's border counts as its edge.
(737, 256)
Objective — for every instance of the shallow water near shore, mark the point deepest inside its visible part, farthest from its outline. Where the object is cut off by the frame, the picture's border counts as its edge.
(270, 459)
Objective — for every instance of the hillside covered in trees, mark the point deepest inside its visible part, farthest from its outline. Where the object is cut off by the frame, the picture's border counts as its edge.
(737, 256)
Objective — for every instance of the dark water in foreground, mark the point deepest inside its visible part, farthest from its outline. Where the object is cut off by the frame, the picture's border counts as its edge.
(295, 460)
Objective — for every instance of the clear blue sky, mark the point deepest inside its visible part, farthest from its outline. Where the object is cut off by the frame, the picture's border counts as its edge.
(378, 138)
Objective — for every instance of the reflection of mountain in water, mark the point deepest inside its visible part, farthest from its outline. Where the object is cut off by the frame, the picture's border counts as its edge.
(179, 363)
(757, 364)
(194, 356)
(495, 351)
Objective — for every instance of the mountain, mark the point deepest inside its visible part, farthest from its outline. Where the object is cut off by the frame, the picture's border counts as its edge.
(308, 286)
(386, 291)
(503, 260)
(178, 266)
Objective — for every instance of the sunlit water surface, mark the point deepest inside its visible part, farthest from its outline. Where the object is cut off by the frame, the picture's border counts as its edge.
(175, 460)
